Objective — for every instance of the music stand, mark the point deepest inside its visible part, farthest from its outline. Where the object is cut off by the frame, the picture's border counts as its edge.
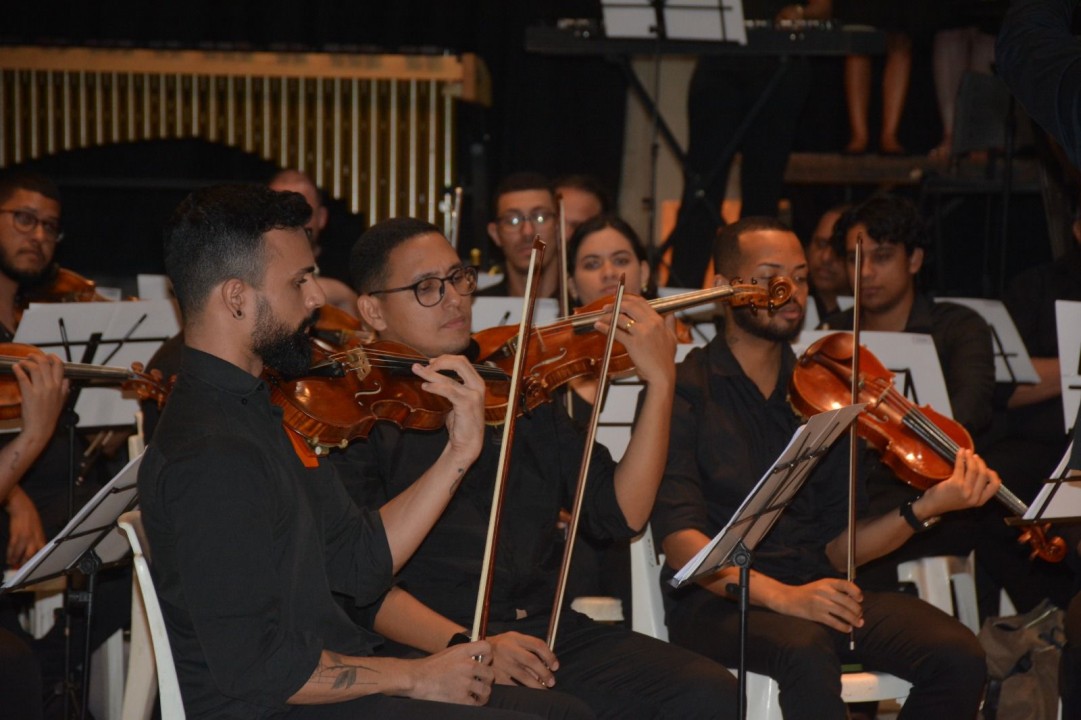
(87, 543)
(735, 543)
(1059, 499)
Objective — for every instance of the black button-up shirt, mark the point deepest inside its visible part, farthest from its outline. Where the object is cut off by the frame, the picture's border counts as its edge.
(248, 545)
(725, 435)
(444, 573)
(964, 348)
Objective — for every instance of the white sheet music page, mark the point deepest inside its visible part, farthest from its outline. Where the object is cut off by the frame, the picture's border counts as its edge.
(1068, 317)
(760, 509)
(1057, 500)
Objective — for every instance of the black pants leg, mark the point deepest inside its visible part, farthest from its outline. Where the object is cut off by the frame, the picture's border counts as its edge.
(383, 706)
(902, 635)
(20, 679)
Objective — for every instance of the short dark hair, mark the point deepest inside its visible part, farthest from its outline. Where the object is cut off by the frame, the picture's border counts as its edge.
(519, 182)
(371, 252)
(726, 252)
(888, 219)
(216, 233)
(12, 181)
(585, 183)
(607, 220)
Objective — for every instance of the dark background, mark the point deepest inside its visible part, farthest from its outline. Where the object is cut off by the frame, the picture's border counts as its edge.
(553, 115)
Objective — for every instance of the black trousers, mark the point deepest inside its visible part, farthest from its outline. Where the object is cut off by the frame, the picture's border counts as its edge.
(383, 706)
(622, 674)
(722, 92)
(902, 635)
(20, 679)
(606, 671)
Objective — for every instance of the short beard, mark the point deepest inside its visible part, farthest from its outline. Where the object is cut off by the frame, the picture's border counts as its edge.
(744, 318)
(288, 352)
(28, 279)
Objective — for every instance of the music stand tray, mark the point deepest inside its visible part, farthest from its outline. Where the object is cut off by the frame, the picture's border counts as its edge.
(735, 543)
(87, 543)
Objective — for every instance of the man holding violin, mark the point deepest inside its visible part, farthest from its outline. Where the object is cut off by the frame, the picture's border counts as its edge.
(731, 419)
(415, 290)
(248, 543)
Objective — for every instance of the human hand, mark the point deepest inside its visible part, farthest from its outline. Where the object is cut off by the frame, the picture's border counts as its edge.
(465, 422)
(25, 534)
(650, 339)
(971, 485)
(523, 660)
(43, 389)
(831, 601)
(460, 674)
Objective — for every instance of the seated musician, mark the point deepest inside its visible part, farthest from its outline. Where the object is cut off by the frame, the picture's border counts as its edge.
(247, 542)
(338, 293)
(894, 246)
(414, 290)
(730, 420)
(524, 208)
(825, 268)
(583, 198)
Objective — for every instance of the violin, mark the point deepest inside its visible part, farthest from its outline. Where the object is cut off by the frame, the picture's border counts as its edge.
(918, 444)
(339, 330)
(571, 347)
(346, 392)
(146, 386)
(67, 286)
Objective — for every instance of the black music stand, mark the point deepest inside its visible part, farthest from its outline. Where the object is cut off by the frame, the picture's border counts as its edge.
(735, 544)
(1059, 500)
(87, 544)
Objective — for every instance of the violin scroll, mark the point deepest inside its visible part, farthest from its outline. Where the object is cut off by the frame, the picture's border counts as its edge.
(777, 292)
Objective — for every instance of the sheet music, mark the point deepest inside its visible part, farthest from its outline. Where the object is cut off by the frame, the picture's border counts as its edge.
(92, 526)
(720, 20)
(489, 312)
(1068, 317)
(130, 331)
(761, 508)
(1057, 500)
(1012, 362)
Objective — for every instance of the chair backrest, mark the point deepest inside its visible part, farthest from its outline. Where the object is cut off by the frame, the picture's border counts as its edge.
(172, 706)
(647, 604)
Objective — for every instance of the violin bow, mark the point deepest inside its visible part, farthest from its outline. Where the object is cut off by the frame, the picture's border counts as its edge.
(853, 433)
(484, 592)
(583, 471)
(455, 217)
(564, 291)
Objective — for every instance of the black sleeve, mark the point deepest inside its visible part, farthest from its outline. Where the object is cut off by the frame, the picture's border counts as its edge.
(1040, 60)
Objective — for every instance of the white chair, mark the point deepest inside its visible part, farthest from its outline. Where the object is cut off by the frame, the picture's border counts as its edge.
(172, 707)
(948, 583)
(647, 617)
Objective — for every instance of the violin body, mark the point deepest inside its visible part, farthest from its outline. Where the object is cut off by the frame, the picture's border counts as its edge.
(918, 444)
(339, 330)
(823, 376)
(67, 286)
(571, 347)
(348, 392)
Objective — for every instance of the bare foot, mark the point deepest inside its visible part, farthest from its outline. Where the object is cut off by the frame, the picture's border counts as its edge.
(941, 155)
(856, 146)
(890, 146)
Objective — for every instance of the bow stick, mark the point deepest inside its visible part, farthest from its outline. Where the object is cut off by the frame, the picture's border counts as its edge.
(484, 593)
(853, 433)
(583, 471)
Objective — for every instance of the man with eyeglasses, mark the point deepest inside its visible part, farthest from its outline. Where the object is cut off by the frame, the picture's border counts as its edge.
(524, 208)
(33, 462)
(414, 290)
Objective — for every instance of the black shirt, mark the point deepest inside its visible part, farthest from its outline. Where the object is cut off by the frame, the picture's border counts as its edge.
(444, 573)
(1040, 59)
(725, 435)
(1030, 299)
(247, 546)
(964, 348)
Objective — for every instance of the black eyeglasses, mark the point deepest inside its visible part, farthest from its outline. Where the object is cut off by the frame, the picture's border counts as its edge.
(430, 290)
(512, 220)
(27, 222)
